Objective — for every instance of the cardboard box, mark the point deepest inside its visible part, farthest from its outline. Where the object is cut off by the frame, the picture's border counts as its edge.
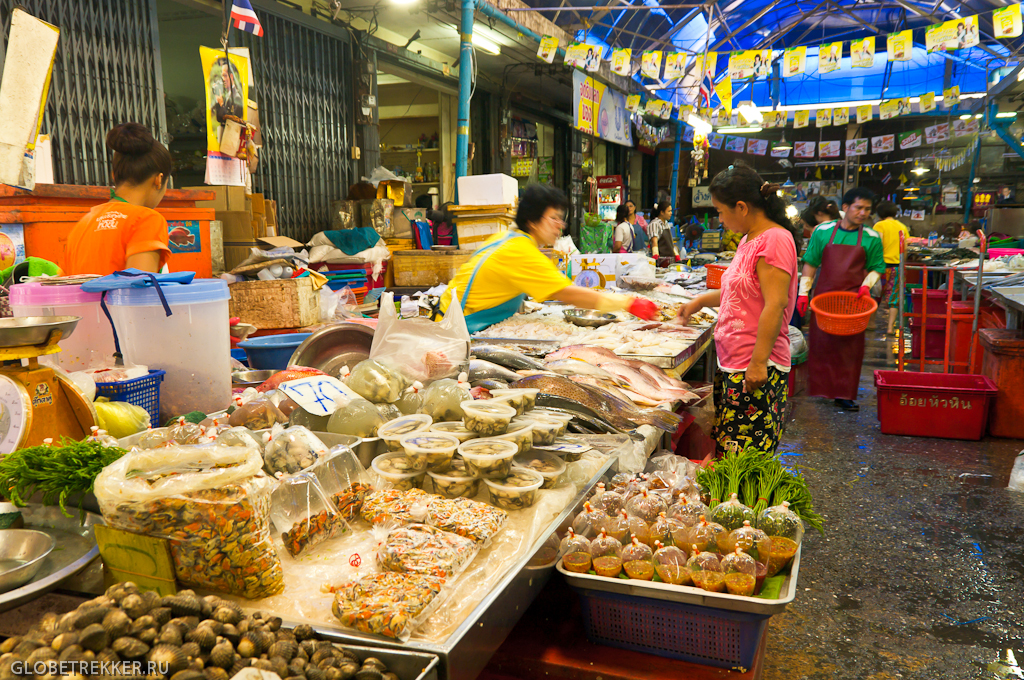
(345, 215)
(494, 189)
(271, 213)
(403, 219)
(217, 247)
(237, 226)
(255, 204)
(228, 198)
(237, 253)
(290, 303)
(378, 214)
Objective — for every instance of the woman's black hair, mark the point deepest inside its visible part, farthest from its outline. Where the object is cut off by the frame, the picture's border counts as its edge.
(621, 213)
(819, 204)
(887, 209)
(138, 156)
(535, 201)
(661, 206)
(742, 183)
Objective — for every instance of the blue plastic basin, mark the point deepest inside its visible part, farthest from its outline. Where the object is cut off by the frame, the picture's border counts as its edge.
(272, 352)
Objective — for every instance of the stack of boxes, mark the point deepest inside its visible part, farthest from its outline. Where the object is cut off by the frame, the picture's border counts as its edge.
(244, 218)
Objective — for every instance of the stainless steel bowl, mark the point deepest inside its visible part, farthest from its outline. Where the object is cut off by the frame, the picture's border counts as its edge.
(334, 346)
(250, 378)
(35, 330)
(22, 552)
(588, 317)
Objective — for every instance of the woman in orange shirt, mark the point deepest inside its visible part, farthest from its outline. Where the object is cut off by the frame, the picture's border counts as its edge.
(126, 232)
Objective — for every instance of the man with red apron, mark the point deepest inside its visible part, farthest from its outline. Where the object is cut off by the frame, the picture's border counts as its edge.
(846, 256)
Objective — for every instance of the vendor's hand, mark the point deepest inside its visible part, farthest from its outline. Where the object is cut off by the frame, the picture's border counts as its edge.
(863, 292)
(686, 311)
(756, 376)
(644, 309)
(802, 303)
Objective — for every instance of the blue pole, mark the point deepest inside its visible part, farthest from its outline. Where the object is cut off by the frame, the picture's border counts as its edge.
(493, 12)
(465, 88)
(675, 166)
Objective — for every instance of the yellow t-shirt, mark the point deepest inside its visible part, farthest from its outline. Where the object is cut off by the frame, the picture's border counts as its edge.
(890, 229)
(516, 266)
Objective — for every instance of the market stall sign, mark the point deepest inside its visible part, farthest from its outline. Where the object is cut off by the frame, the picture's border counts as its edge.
(320, 395)
(144, 560)
(600, 111)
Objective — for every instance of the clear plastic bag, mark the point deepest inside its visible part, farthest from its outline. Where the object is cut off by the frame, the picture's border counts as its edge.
(343, 480)
(425, 550)
(688, 512)
(470, 519)
(590, 520)
(240, 436)
(293, 450)
(572, 543)
(388, 604)
(120, 418)
(394, 505)
(214, 508)
(779, 520)
(750, 540)
(740, 572)
(303, 514)
(421, 349)
(411, 400)
(663, 529)
(442, 400)
(646, 506)
(359, 418)
(184, 432)
(637, 561)
(732, 514)
(605, 545)
(706, 571)
(611, 502)
(670, 564)
(376, 382)
(257, 414)
(155, 439)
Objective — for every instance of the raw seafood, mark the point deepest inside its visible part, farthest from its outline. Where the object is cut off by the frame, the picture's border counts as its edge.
(290, 373)
(456, 481)
(442, 400)
(395, 505)
(376, 382)
(600, 355)
(646, 386)
(484, 370)
(421, 549)
(488, 457)
(611, 389)
(487, 418)
(359, 418)
(491, 384)
(578, 413)
(580, 367)
(623, 415)
(515, 492)
(505, 357)
(532, 326)
(398, 470)
(388, 603)
(294, 449)
(470, 519)
(393, 430)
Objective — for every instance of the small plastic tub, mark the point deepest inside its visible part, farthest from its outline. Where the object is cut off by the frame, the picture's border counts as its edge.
(545, 430)
(398, 469)
(487, 417)
(489, 457)
(516, 491)
(430, 450)
(523, 399)
(393, 430)
(456, 429)
(521, 433)
(549, 466)
(564, 418)
(457, 481)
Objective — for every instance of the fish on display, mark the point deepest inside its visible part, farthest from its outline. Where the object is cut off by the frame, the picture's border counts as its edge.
(490, 384)
(599, 355)
(572, 367)
(622, 414)
(615, 391)
(645, 385)
(482, 370)
(581, 415)
(506, 357)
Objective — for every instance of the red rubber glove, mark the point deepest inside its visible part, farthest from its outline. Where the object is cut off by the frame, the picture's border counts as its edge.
(678, 259)
(802, 303)
(645, 309)
(863, 292)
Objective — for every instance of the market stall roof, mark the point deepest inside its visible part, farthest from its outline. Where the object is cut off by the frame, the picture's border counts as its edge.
(675, 25)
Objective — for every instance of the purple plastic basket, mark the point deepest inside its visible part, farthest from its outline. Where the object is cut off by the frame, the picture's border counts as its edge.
(143, 392)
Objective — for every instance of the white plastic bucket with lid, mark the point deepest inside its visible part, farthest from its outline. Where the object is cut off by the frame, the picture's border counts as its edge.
(92, 343)
(192, 345)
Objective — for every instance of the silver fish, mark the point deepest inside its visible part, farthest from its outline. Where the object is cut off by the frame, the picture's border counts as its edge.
(571, 367)
(490, 384)
(506, 357)
(482, 370)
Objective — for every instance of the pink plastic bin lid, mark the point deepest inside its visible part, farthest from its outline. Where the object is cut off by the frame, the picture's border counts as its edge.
(37, 295)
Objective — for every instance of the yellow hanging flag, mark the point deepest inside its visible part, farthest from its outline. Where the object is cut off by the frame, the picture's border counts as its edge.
(1006, 21)
(899, 46)
(801, 119)
(817, 173)
(724, 91)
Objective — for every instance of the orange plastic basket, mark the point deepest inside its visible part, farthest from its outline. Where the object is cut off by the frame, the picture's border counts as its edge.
(715, 274)
(843, 313)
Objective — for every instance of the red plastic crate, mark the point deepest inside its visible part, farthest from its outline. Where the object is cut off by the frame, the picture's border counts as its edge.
(950, 406)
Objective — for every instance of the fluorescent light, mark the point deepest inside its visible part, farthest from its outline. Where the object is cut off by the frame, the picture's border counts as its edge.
(977, 115)
(966, 116)
(485, 44)
(750, 113)
(861, 102)
(754, 128)
(1007, 114)
(919, 170)
(402, 2)
(699, 125)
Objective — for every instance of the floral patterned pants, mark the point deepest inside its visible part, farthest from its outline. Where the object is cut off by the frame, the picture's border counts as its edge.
(745, 420)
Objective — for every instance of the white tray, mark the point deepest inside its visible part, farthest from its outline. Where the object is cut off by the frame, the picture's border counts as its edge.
(689, 594)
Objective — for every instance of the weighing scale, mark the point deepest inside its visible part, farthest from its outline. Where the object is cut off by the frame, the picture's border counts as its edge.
(38, 402)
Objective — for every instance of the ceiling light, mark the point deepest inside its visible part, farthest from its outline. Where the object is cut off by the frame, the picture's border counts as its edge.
(402, 2)
(1007, 114)
(977, 179)
(485, 44)
(919, 170)
(783, 145)
(788, 184)
(740, 129)
(750, 113)
(977, 115)
(966, 116)
(699, 125)
(791, 211)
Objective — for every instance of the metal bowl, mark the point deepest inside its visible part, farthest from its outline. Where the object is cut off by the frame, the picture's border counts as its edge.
(35, 330)
(22, 552)
(250, 378)
(334, 346)
(588, 317)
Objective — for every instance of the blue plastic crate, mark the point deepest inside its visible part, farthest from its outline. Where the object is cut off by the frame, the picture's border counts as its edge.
(703, 635)
(143, 392)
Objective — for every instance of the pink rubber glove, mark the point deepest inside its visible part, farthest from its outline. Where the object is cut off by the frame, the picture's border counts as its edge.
(863, 292)
(645, 309)
(802, 303)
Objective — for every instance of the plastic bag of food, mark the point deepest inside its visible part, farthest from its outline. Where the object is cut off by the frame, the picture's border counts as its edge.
(740, 573)
(359, 418)
(120, 418)
(303, 514)
(389, 604)
(420, 348)
(646, 506)
(705, 570)
(411, 399)
(779, 520)
(663, 529)
(607, 500)
(442, 400)
(183, 432)
(590, 520)
(257, 414)
(670, 564)
(424, 550)
(240, 436)
(211, 502)
(376, 382)
(394, 505)
(470, 519)
(155, 439)
(637, 561)
(300, 417)
(688, 512)
(290, 373)
(343, 479)
(99, 436)
(606, 555)
(292, 450)
(732, 514)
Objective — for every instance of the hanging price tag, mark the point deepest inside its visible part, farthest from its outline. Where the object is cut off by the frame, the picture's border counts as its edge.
(320, 395)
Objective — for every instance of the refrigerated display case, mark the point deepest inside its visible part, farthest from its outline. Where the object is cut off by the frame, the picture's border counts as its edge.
(609, 195)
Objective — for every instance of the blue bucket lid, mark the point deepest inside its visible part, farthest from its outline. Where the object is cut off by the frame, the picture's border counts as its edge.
(199, 291)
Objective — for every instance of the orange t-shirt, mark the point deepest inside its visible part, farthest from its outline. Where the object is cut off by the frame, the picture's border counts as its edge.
(103, 240)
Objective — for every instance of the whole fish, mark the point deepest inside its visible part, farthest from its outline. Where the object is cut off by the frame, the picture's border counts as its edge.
(600, 355)
(490, 384)
(645, 385)
(482, 370)
(660, 376)
(571, 367)
(581, 414)
(622, 414)
(613, 390)
(506, 357)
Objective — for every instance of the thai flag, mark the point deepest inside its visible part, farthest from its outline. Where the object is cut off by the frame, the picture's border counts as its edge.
(245, 18)
(887, 178)
(707, 88)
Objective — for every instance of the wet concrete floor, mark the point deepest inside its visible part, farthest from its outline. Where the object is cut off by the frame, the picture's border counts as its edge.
(920, 573)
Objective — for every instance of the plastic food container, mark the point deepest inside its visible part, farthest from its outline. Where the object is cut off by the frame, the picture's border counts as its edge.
(487, 417)
(456, 429)
(398, 470)
(545, 430)
(489, 457)
(564, 418)
(515, 492)
(92, 343)
(430, 450)
(549, 466)
(192, 345)
(393, 430)
(521, 434)
(521, 399)
(456, 481)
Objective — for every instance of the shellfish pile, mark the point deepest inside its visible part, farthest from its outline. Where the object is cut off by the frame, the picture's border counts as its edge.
(183, 637)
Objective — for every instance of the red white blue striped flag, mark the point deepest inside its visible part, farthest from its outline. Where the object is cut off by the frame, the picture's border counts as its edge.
(245, 18)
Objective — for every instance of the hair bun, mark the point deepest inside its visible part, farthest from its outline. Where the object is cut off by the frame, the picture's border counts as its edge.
(131, 139)
(770, 188)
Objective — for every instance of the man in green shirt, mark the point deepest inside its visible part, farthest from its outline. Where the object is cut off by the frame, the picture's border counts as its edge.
(846, 256)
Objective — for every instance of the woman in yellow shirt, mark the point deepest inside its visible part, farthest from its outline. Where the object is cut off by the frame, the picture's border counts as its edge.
(889, 228)
(510, 266)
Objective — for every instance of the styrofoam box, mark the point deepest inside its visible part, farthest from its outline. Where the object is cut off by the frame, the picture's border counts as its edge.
(473, 236)
(494, 189)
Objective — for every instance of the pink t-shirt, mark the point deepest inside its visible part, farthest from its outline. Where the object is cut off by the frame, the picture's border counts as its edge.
(743, 301)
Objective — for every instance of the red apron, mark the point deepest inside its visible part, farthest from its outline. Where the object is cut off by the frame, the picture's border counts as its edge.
(835, 360)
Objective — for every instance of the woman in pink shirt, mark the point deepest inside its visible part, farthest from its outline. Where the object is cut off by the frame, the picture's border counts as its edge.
(758, 293)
